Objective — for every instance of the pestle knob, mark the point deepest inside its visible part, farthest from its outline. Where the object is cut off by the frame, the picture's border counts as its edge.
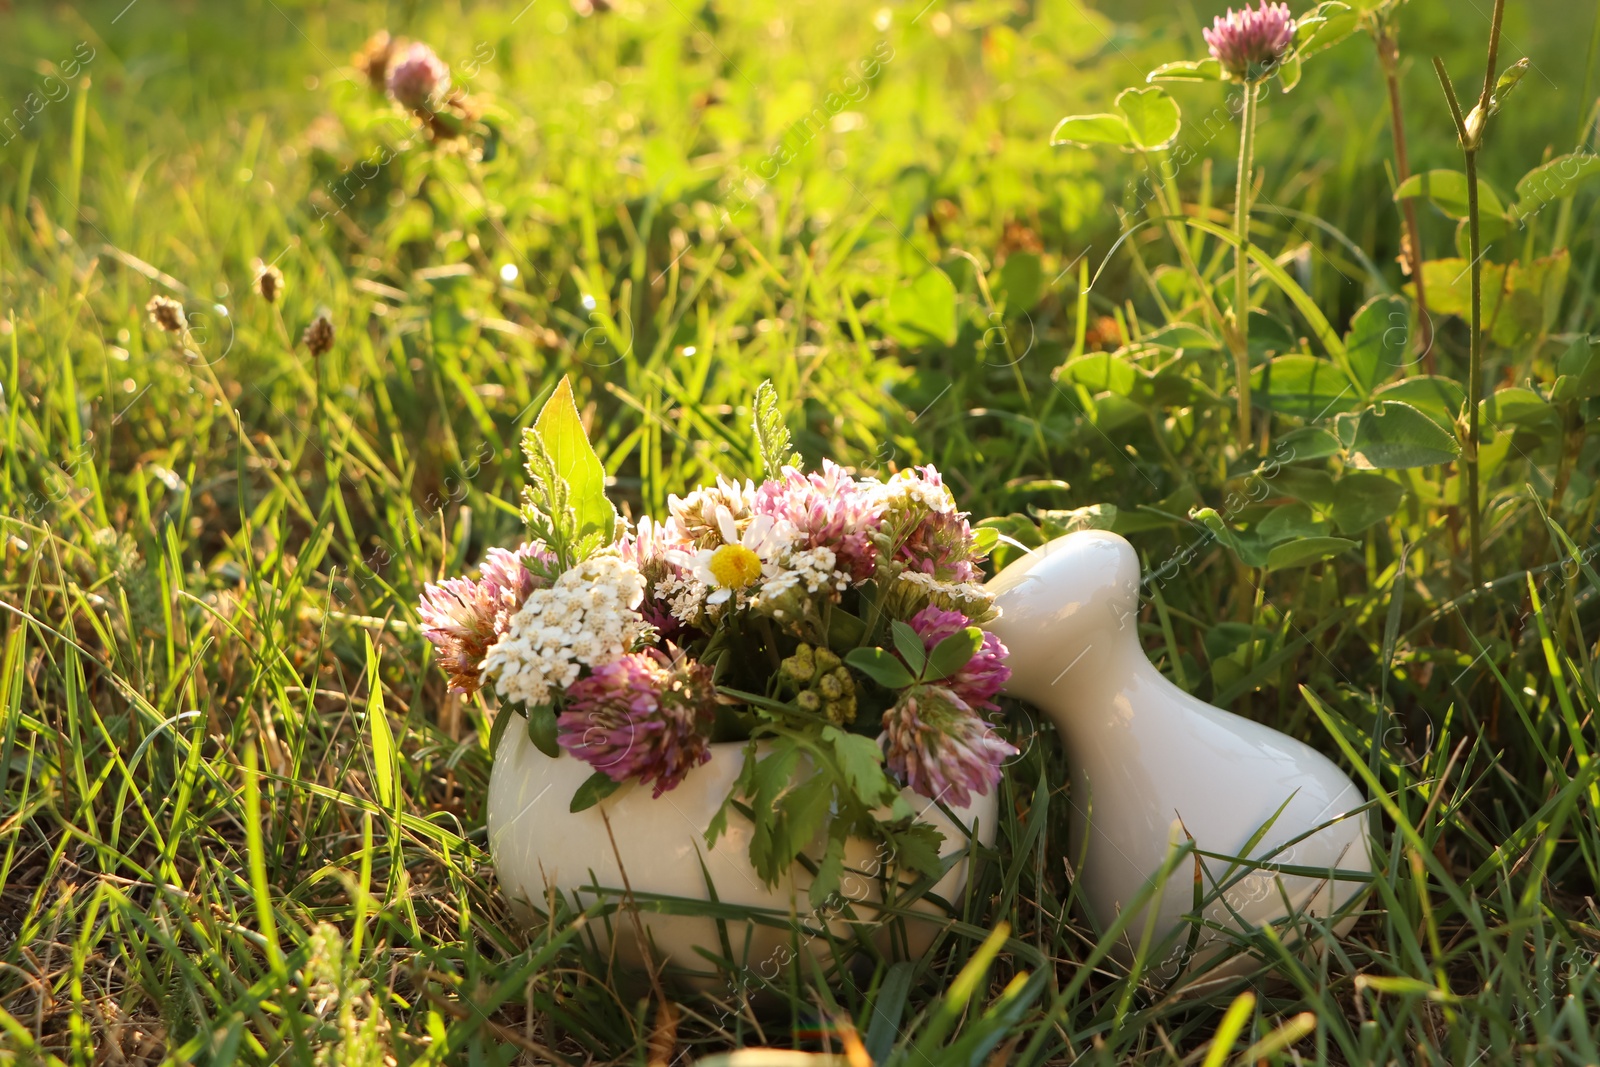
(1146, 755)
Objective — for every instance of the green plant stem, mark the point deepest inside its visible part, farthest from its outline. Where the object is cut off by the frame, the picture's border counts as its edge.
(1388, 58)
(1241, 281)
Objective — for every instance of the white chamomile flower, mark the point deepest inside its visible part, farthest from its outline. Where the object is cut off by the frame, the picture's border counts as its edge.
(742, 560)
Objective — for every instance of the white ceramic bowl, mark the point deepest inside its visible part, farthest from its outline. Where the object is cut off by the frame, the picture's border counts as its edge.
(538, 844)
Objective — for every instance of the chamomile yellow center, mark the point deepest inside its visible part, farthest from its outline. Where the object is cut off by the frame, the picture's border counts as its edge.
(735, 566)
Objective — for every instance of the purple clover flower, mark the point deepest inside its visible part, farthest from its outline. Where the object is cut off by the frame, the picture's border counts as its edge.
(939, 747)
(462, 617)
(418, 78)
(1250, 41)
(831, 510)
(643, 716)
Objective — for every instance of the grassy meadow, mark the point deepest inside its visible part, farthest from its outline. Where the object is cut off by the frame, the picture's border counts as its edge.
(241, 819)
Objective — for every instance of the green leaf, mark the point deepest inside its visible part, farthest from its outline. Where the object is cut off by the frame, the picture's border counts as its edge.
(594, 789)
(830, 872)
(561, 430)
(1579, 371)
(803, 812)
(909, 645)
(860, 759)
(1307, 551)
(1555, 180)
(772, 436)
(1379, 335)
(1188, 70)
(1448, 191)
(1396, 436)
(1289, 72)
(1249, 548)
(1289, 521)
(1312, 486)
(1085, 131)
(1101, 372)
(502, 719)
(1507, 82)
(925, 310)
(1436, 396)
(1514, 405)
(1021, 281)
(1323, 27)
(1306, 443)
(953, 653)
(385, 768)
(1304, 386)
(882, 667)
(1362, 498)
(542, 730)
(916, 848)
(769, 852)
(1152, 116)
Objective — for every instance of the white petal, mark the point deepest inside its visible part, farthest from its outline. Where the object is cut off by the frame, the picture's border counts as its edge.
(730, 532)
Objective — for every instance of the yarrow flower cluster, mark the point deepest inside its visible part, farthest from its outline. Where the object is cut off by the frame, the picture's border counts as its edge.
(586, 619)
(785, 613)
(1249, 42)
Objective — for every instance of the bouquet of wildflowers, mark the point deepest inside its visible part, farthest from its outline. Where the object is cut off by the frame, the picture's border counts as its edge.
(831, 622)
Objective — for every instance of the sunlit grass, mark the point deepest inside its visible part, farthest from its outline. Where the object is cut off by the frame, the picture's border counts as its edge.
(213, 543)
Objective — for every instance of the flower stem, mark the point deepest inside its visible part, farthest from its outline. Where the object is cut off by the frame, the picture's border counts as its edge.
(1388, 58)
(1241, 280)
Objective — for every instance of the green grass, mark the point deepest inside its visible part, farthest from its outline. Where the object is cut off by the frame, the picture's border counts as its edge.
(211, 556)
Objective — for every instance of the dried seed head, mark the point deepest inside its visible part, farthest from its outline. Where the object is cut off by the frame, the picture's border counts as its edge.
(269, 281)
(167, 313)
(319, 336)
(373, 59)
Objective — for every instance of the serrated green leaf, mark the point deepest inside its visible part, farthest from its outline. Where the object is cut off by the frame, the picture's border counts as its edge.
(1396, 436)
(909, 645)
(1085, 131)
(594, 789)
(916, 848)
(1152, 116)
(830, 872)
(860, 759)
(1307, 551)
(882, 667)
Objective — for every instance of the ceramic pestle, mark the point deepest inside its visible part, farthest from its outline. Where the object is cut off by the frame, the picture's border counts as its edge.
(1145, 755)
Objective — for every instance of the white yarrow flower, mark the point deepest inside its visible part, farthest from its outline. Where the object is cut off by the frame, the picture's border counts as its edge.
(585, 619)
